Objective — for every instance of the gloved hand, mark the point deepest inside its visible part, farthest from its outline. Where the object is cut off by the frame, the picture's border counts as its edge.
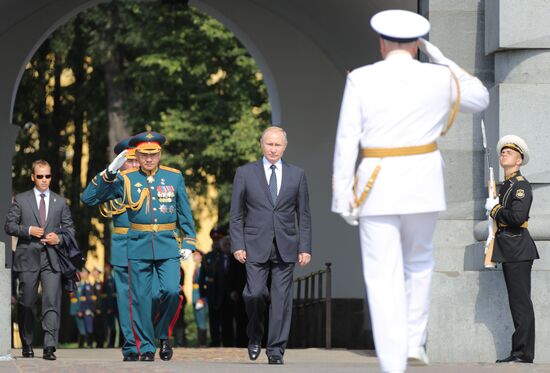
(185, 254)
(433, 52)
(117, 163)
(351, 217)
(490, 203)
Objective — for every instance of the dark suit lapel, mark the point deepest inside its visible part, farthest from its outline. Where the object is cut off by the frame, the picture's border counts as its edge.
(285, 180)
(34, 207)
(260, 173)
(51, 207)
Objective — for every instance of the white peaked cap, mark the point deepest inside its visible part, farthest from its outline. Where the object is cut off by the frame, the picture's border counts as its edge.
(516, 143)
(397, 25)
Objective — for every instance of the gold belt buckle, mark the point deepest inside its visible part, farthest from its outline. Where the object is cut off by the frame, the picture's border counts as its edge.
(155, 227)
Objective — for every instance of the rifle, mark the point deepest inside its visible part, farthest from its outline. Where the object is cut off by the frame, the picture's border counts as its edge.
(492, 224)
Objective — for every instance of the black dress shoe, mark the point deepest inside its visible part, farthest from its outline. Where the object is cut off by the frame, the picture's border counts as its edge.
(514, 359)
(131, 357)
(254, 351)
(27, 351)
(275, 360)
(49, 353)
(165, 351)
(148, 356)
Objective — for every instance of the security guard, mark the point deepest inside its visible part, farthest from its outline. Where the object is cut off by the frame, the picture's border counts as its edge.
(161, 232)
(514, 247)
(116, 210)
(392, 112)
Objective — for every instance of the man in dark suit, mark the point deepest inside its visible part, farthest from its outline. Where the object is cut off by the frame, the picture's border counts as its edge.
(33, 218)
(514, 247)
(270, 231)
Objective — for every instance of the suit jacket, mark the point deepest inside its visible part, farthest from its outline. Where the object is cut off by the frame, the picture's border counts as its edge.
(256, 220)
(22, 214)
(513, 243)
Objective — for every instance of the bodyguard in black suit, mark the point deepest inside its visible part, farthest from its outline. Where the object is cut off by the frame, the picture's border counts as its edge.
(33, 218)
(270, 231)
(514, 247)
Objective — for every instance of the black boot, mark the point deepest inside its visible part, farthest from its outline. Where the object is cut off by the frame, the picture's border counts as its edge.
(202, 337)
(165, 351)
(90, 340)
(81, 341)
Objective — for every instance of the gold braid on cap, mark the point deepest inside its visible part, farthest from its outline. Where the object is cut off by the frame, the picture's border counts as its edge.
(513, 146)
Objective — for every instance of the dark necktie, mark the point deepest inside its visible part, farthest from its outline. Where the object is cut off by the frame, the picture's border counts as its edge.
(273, 184)
(42, 210)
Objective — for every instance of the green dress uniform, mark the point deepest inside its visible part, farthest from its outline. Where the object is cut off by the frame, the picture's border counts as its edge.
(161, 224)
(116, 210)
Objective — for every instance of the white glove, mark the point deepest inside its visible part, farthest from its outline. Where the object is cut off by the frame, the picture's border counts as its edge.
(490, 203)
(117, 163)
(433, 52)
(351, 217)
(185, 254)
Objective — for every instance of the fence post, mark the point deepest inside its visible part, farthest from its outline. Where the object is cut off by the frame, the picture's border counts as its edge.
(328, 305)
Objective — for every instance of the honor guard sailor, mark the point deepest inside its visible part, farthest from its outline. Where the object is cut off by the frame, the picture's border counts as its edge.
(392, 113)
(514, 247)
(161, 232)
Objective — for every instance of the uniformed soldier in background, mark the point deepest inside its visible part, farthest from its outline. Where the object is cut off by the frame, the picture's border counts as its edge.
(208, 282)
(108, 305)
(393, 111)
(514, 247)
(99, 317)
(83, 309)
(161, 232)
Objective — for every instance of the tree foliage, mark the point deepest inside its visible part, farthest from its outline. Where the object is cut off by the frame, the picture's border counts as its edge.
(125, 67)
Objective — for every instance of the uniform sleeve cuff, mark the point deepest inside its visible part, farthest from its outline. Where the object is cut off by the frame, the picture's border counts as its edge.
(190, 243)
(495, 210)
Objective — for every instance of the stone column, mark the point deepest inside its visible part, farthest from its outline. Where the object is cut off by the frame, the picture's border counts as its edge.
(470, 319)
(5, 306)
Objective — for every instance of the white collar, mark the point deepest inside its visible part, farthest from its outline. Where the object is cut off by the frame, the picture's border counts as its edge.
(37, 193)
(267, 164)
(398, 54)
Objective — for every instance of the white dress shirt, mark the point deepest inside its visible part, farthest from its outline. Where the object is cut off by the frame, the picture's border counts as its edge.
(278, 172)
(37, 194)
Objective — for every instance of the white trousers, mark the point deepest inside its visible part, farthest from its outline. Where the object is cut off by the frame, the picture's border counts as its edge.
(397, 268)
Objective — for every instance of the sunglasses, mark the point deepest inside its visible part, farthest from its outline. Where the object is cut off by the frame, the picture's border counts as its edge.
(41, 176)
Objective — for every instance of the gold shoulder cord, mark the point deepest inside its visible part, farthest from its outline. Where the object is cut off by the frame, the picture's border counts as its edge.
(413, 150)
(128, 195)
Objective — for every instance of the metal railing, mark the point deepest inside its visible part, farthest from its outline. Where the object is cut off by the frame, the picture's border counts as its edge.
(313, 308)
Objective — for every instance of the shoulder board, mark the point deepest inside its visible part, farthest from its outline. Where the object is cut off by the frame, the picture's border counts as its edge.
(520, 178)
(170, 169)
(128, 171)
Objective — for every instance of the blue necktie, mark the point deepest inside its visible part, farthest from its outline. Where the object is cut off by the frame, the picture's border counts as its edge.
(273, 184)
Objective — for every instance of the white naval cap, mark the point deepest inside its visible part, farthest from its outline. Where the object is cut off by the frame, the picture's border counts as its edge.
(399, 25)
(516, 143)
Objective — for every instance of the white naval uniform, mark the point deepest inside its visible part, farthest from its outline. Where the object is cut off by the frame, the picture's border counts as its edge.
(398, 102)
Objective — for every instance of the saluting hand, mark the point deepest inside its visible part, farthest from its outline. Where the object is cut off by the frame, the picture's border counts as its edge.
(117, 163)
(240, 255)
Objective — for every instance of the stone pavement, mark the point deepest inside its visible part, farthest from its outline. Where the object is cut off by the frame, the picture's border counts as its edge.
(234, 360)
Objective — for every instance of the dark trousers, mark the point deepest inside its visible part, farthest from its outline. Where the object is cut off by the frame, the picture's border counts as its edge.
(256, 296)
(51, 302)
(518, 283)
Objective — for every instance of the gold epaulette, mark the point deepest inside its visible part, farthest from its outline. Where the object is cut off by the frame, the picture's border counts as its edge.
(170, 169)
(129, 170)
(520, 178)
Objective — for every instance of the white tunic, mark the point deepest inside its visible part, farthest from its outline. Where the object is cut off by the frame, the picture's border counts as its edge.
(398, 102)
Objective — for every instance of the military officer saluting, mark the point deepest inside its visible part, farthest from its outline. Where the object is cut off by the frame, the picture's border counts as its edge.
(393, 111)
(161, 232)
(514, 247)
(116, 210)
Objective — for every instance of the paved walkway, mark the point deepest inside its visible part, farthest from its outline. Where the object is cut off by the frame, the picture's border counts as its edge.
(234, 360)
